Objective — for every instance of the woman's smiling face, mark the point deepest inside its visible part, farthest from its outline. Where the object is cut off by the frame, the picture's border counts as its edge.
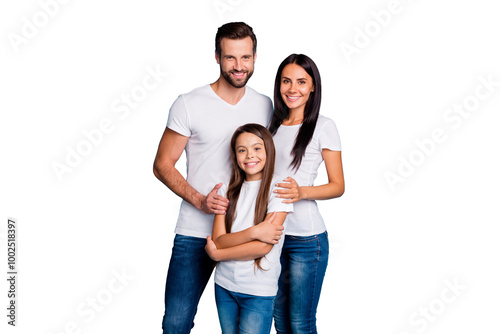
(296, 86)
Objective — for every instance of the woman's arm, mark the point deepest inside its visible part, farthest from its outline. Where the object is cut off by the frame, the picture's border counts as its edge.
(292, 192)
(247, 250)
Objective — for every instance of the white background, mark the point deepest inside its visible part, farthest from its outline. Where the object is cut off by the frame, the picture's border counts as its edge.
(394, 250)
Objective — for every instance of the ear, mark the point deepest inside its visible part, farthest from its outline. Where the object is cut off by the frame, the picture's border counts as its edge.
(254, 57)
(217, 58)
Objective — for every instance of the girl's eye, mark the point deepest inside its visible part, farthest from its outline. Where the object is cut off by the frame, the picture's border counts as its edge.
(241, 151)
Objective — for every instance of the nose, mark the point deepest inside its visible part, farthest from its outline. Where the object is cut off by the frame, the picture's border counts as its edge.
(237, 65)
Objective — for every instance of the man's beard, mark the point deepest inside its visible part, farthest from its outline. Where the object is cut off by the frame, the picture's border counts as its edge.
(235, 82)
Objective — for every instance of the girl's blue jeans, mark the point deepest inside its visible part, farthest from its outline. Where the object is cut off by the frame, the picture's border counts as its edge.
(243, 314)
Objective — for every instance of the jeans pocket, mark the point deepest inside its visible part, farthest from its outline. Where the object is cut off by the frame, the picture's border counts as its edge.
(308, 238)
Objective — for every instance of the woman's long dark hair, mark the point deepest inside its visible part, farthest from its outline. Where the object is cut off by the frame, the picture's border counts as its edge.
(311, 110)
(238, 176)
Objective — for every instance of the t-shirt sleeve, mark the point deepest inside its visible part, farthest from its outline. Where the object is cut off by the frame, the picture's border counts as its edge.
(276, 204)
(329, 137)
(178, 118)
(223, 190)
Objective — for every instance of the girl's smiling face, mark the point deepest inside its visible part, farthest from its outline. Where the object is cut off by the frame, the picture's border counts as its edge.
(250, 155)
(296, 86)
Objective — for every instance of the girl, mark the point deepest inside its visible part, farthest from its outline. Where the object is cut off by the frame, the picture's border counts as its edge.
(246, 279)
(303, 139)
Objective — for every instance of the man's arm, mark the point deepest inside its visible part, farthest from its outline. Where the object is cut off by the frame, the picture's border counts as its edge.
(170, 149)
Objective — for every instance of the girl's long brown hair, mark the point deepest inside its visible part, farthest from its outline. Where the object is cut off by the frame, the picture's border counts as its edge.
(238, 176)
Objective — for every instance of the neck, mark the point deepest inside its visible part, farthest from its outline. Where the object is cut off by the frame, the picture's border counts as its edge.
(295, 116)
(250, 179)
(227, 92)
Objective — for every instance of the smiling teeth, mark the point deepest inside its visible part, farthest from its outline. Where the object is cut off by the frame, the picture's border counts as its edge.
(293, 98)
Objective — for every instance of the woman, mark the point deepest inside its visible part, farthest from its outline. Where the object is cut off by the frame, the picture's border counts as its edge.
(303, 139)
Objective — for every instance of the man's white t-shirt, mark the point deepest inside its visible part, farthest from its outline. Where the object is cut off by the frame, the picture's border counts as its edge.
(209, 122)
(244, 276)
(306, 219)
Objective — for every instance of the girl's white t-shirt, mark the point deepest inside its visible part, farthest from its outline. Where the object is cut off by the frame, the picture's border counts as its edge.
(244, 276)
(306, 219)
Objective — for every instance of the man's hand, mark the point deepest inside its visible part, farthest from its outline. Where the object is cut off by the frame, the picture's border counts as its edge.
(211, 248)
(213, 203)
(267, 231)
(290, 191)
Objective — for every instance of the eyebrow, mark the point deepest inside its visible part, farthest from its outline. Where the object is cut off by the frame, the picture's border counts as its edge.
(230, 55)
(250, 145)
(305, 79)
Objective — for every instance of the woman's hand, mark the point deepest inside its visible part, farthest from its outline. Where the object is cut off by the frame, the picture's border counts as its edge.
(211, 249)
(267, 231)
(290, 191)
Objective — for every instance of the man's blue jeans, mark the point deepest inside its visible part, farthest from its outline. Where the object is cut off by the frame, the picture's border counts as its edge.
(303, 266)
(243, 314)
(188, 273)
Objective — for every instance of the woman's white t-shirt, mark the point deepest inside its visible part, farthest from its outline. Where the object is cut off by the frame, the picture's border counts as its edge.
(244, 276)
(306, 219)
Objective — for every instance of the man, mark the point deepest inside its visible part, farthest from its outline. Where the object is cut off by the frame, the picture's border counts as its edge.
(202, 122)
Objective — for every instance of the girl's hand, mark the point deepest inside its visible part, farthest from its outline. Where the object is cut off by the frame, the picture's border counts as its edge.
(211, 249)
(267, 231)
(291, 191)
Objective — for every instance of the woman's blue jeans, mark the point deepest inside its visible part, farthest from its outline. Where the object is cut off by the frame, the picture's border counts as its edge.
(243, 314)
(188, 274)
(303, 266)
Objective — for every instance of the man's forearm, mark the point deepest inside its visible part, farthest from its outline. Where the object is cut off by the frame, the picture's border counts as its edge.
(174, 180)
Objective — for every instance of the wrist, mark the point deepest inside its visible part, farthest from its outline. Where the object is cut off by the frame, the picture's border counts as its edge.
(303, 193)
(217, 255)
(253, 232)
(198, 201)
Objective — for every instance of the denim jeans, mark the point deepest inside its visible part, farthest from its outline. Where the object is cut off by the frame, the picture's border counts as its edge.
(303, 266)
(243, 314)
(188, 273)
